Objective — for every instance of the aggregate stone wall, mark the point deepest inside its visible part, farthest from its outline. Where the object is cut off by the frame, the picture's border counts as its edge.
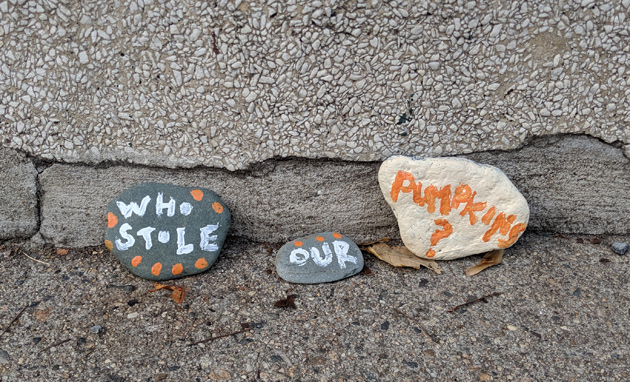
(574, 184)
(18, 196)
(227, 84)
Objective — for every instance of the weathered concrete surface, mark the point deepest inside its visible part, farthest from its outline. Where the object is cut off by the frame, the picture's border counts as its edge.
(18, 195)
(231, 83)
(284, 200)
(573, 184)
(562, 316)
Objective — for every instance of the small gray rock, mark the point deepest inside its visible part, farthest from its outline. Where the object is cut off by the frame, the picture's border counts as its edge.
(162, 232)
(96, 329)
(4, 357)
(320, 258)
(620, 248)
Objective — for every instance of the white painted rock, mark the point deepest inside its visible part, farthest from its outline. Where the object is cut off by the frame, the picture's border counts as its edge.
(449, 208)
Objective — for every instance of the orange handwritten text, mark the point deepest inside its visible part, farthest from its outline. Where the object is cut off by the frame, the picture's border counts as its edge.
(516, 229)
(501, 224)
(487, 218)
(441, 234)
(462, 195)
(399, 186)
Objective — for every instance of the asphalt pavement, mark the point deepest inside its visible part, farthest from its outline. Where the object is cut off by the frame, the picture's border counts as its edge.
(556, 309)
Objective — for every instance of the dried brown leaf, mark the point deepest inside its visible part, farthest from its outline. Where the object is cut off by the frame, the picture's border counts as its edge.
(491, 258)
(178, 295)
(62, 251)
(402, 257)
(367, 271)
(288, 302)
(42, 314)
(159, 286)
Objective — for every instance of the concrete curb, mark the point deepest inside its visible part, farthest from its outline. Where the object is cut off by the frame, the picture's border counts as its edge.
(292, 198)
(574, 184)
(19, 216)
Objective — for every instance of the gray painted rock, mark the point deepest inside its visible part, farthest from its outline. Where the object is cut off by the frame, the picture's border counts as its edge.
(319, 258)
(620, 248)
(452, 207)
(161, 231)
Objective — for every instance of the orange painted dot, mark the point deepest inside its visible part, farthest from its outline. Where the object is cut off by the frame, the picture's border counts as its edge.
(430, 253)
(109, 245)
(136, 260)
(217, 207)
(201, 263)
(178, 268)
(337, 235)
(197, 195)
(112, 220)
(156, 269)
(298, 243)
(319, 238)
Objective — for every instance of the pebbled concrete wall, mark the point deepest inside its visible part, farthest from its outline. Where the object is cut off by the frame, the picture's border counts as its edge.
(228, 84)
(574, 184)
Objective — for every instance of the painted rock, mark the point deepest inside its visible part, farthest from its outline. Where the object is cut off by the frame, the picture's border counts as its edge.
(161, 231)
(449, 208)
(620, 248)
(320, 258)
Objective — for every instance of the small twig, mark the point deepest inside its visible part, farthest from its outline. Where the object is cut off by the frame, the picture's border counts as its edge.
(480, 299)
(88, 354)
(34, 259)
(55, 345)
(221, 336)
(417, 323)
(15, 319)
(215, 48)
